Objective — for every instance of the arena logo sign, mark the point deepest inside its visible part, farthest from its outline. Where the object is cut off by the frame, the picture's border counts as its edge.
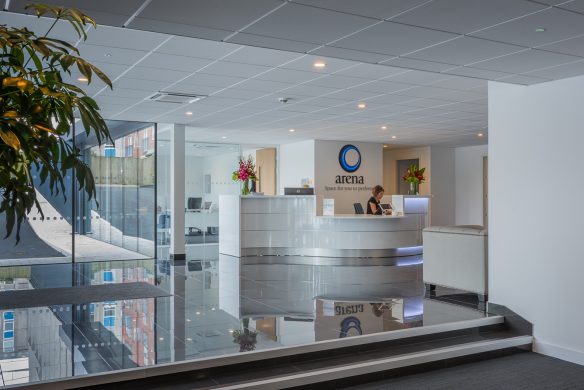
(350, 161)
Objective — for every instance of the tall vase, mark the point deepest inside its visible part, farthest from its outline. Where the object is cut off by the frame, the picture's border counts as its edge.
(245, 187)
(414, 188)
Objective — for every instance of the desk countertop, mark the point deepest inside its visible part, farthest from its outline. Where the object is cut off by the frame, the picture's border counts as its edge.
(360, 216)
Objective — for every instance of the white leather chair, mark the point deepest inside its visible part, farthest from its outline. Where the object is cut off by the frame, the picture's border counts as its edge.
(456, 257)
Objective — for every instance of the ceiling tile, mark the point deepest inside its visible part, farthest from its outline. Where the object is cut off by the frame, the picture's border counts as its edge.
(116, 55)
(577, 5)
(139, 84)
(238, 93)
(573, 46)
(124, 92)
(262, 56)
(388, 38)
(272, 43)
(338, 82)
(475, 72)
(561, 71)
(200, 48)
(173, 28)
(211, 80)
(192, 89)
(155, 74)
(524, 80)
(109, 12)
(263, 85)
(525, 61)
(464, 16)
(559, 24)
(465, 50)
(173, 62)
(233, 69)
(461, 83)
(307, 24)
(306, 63)
(349, 54)
(378, 9)
(352, 95)
(423, 92)
(417, 77)
(370, 71)
(308, 90)
(383, 86)
(288, 75)
(410, 63)
(125, 38)
(229, 15)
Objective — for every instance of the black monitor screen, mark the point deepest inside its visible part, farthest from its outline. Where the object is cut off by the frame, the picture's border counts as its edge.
(194, 203)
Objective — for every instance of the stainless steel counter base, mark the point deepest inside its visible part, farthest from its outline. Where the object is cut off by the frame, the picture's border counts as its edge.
(332, 253)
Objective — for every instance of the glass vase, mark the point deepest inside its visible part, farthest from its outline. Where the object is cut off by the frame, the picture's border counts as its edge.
(414, 188)
(245, 187)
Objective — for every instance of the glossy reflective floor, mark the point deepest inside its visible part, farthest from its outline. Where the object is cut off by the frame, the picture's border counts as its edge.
(224, 306)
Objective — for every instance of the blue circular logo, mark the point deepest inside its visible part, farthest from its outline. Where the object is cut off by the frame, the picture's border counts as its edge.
(350, 158)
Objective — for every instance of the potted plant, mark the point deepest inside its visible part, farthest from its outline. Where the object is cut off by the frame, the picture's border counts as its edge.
(38, 108)
(415, 177)
(245, 174)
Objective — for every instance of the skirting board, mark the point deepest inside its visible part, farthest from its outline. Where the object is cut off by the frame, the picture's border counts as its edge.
(567, 354)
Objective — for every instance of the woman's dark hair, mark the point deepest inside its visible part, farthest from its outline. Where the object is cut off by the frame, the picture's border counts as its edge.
(377, 189)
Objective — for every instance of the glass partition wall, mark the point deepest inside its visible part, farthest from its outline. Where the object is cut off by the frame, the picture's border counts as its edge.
(118, 225)
(208, 170)
(123, 213)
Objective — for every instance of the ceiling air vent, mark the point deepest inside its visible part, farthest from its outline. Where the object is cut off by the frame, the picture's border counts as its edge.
(175, 97)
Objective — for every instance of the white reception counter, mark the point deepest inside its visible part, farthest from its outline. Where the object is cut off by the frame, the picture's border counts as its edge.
(291, 226)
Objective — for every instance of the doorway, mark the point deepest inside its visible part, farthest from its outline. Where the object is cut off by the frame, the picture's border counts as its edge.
(485, 190)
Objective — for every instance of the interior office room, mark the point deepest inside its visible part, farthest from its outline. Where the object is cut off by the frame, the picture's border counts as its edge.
(293, 194)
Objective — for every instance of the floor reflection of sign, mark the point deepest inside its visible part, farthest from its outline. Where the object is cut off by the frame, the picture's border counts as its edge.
(346, 319)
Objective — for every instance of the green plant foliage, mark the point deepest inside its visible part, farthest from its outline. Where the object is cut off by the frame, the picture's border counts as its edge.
(37, 112)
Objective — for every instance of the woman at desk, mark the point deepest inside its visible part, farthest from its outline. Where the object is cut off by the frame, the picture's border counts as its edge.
(373, 204)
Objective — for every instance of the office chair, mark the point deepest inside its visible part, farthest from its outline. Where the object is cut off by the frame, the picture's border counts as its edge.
(358, 208)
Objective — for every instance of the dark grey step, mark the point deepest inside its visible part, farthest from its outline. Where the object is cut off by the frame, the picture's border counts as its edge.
(282, 362)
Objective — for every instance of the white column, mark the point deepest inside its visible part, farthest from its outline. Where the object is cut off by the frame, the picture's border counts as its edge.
(177, 193)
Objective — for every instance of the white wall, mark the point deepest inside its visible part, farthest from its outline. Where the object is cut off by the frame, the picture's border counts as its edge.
(536, 213)
(469, 184)
(295, 162)
(328, 167)
(442, 187)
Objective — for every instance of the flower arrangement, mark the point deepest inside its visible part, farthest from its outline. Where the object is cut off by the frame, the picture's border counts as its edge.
(247, 339)
(245, 173)
(414, 175)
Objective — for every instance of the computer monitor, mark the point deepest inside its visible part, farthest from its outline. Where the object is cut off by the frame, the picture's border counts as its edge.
(299, 191)
(194, 203)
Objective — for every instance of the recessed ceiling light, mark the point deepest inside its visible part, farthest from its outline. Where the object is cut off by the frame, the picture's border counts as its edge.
(480, 134)
(189, 113)
(540, 29)
(161, 338)
(82, 79)
(393, 136)
(224, 137)
(383, 127)
(385, 146)
(361, 106)
(291, 130)
(320, 64)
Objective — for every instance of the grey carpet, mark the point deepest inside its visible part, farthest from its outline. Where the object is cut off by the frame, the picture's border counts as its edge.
(529, 371)
(30, 245)
(16, 299)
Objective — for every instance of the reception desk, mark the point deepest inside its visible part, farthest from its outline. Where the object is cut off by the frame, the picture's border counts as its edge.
(294, 226)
